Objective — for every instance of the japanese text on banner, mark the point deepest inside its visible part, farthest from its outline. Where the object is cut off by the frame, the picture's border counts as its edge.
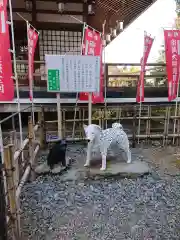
(6, 80)
(148, 41)
(172, 52)
(93, 46)
(32, 42)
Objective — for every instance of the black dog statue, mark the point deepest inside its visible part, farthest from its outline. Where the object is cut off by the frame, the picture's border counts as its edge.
(55, 160)
(57, 154)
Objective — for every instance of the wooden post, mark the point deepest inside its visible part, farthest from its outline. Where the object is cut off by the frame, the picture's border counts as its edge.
(3, 221)
(134, 128)
(42, 128)
(165, 127)
(15, 183)
(31, 150)
(11, 189)
(13, 139)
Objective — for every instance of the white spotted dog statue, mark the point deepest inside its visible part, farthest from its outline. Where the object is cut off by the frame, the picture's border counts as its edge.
(114, 137)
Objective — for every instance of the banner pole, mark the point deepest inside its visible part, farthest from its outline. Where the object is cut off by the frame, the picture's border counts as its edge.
(27, 21)
(177, 93)
(59, 115)
(30, 80)
(140, 106)
(75, 110)
(89, 108)
(104, 58)
(139, 122)
(84, 23)
(15, 74)
(176, 108)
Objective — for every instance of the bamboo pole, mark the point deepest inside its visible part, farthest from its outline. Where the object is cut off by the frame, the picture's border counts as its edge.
(134, 129)
(26, 174)
(3, 222)
(11, 190)
(31, 150)
(24, 144)
(14, 179)
(23, 180)
(13, 141)
(18, 152)
(122, 118)
(167, 126)
(42, 128)
(130, 136)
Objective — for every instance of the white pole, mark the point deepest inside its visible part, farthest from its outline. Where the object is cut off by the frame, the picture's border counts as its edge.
(59, 115)
(140, 106)
(104, 62)
(89, 108)
(15, 74)
(30, 79)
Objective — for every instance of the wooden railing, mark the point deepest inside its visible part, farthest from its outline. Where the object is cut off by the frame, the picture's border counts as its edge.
(18, 166)
(112, 71)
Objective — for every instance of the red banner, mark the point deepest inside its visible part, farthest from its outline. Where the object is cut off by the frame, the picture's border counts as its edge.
(93, 46)
(172, 51)
(148, 41)
(6, 80)
(32, 42)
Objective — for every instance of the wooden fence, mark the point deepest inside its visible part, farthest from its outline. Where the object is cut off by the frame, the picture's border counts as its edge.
(18, 166)
(157, 122)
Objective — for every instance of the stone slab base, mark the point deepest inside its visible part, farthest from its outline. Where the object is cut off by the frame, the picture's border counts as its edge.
(114, 169)
(136, 168)
(58, 168)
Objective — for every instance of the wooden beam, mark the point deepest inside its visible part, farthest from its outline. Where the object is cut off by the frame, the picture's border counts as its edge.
(34, 15)
(51, 25)
(48, 11)
(85, 12)
(69, 1)
(34, 23)
(120, 75)
(137, 64)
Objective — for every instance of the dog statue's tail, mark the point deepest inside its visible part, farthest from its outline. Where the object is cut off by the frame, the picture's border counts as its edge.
(117, 125)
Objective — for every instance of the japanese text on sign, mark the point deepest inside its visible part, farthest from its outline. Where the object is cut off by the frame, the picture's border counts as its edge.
(76, 73)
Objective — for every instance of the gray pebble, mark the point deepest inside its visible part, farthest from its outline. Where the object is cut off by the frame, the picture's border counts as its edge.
(118, 209)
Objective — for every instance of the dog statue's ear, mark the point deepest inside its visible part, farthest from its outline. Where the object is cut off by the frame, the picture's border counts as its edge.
(98, 126)
(85, 127)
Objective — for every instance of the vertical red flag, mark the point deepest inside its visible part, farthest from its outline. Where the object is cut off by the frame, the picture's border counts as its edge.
(6, 80)
(32, 42)
(92, 45)
(148, 41)
(172, 51)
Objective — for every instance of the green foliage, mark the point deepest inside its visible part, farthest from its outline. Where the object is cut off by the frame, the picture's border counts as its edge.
(159, 70)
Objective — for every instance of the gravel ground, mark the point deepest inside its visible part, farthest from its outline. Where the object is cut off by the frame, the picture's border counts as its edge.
(145, 208)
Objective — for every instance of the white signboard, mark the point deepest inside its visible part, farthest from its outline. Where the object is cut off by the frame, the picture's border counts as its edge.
(72, 73)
